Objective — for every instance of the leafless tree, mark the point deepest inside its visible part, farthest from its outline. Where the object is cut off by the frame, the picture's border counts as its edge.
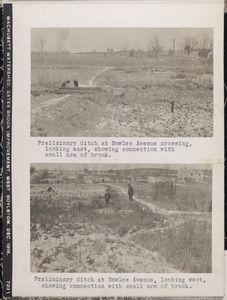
(110, 50)
(190, 44)
(155, 45)
(138, 49)
(42, 44)
(204, 45)
(125, 45)
(137, 46)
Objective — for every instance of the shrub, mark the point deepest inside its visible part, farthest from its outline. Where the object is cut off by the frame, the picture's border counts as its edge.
(180, 76)
(164, 191)
(187, 247)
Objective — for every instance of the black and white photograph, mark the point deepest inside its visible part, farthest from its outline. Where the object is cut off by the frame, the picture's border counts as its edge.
(120, 218)
(122, 82)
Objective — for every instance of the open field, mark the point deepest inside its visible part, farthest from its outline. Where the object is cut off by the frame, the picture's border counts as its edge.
(187, 197)
(74, 230)
(136, 97)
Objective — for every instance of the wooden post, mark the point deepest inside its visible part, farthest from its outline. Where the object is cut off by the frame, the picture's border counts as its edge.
(172, 106)
(79, 254)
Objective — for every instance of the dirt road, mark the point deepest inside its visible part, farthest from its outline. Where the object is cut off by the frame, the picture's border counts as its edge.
(51, 102)
(157, 209)
(91, 81)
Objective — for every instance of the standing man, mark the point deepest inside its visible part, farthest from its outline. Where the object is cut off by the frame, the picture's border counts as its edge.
(65, 83)
(130, 192)
(76, 83)
(107, 196)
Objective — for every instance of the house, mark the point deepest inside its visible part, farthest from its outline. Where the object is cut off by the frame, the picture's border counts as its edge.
(190, 175)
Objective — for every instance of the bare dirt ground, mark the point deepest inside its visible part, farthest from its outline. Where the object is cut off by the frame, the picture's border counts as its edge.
(91, 249)
(134, 101)
(83, 234)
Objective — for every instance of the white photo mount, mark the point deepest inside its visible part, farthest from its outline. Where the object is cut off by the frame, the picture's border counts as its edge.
(128, 24)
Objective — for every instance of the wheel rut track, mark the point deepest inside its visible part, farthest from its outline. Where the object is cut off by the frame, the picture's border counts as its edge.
(153, 207)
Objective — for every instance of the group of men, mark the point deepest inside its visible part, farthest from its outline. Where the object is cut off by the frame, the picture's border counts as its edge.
(67, 82)
(107, 195)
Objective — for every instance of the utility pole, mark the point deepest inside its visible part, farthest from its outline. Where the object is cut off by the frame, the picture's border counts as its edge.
(174, 46)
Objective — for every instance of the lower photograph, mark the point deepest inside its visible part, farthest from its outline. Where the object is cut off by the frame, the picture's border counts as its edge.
(121, 218)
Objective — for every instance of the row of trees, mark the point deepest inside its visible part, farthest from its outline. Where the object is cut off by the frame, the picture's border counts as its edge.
(202, 45)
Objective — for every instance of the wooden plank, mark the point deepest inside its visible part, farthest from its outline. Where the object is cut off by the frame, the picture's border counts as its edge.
(61, 91)
(81, 88)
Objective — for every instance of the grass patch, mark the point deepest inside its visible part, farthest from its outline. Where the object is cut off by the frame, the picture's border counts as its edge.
(48, 77)
(120, 216)
(119, 60)
(132, 217)
(187, 197)
(187, 247)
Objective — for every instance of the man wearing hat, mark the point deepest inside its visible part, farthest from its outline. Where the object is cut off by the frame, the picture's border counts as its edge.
(130, 192)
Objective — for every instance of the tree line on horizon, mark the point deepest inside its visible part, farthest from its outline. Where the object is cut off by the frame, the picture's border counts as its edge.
(202, 45)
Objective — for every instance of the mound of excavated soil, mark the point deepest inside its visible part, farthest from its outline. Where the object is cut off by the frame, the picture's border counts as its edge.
(86, 248)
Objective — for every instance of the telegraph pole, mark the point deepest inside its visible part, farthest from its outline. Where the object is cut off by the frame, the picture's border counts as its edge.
(174, 46)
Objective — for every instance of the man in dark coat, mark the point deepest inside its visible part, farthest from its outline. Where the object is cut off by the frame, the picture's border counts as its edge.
(76, 83)
(65, 83)
(107, 196)
(130, 192)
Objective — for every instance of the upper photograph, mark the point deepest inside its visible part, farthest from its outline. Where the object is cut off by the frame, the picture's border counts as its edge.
(122, 82)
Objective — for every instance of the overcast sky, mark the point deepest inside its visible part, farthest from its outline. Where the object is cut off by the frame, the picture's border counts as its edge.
(77, 167)
(100, 39)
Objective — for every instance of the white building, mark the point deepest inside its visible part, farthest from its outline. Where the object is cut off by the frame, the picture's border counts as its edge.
(190, 175)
